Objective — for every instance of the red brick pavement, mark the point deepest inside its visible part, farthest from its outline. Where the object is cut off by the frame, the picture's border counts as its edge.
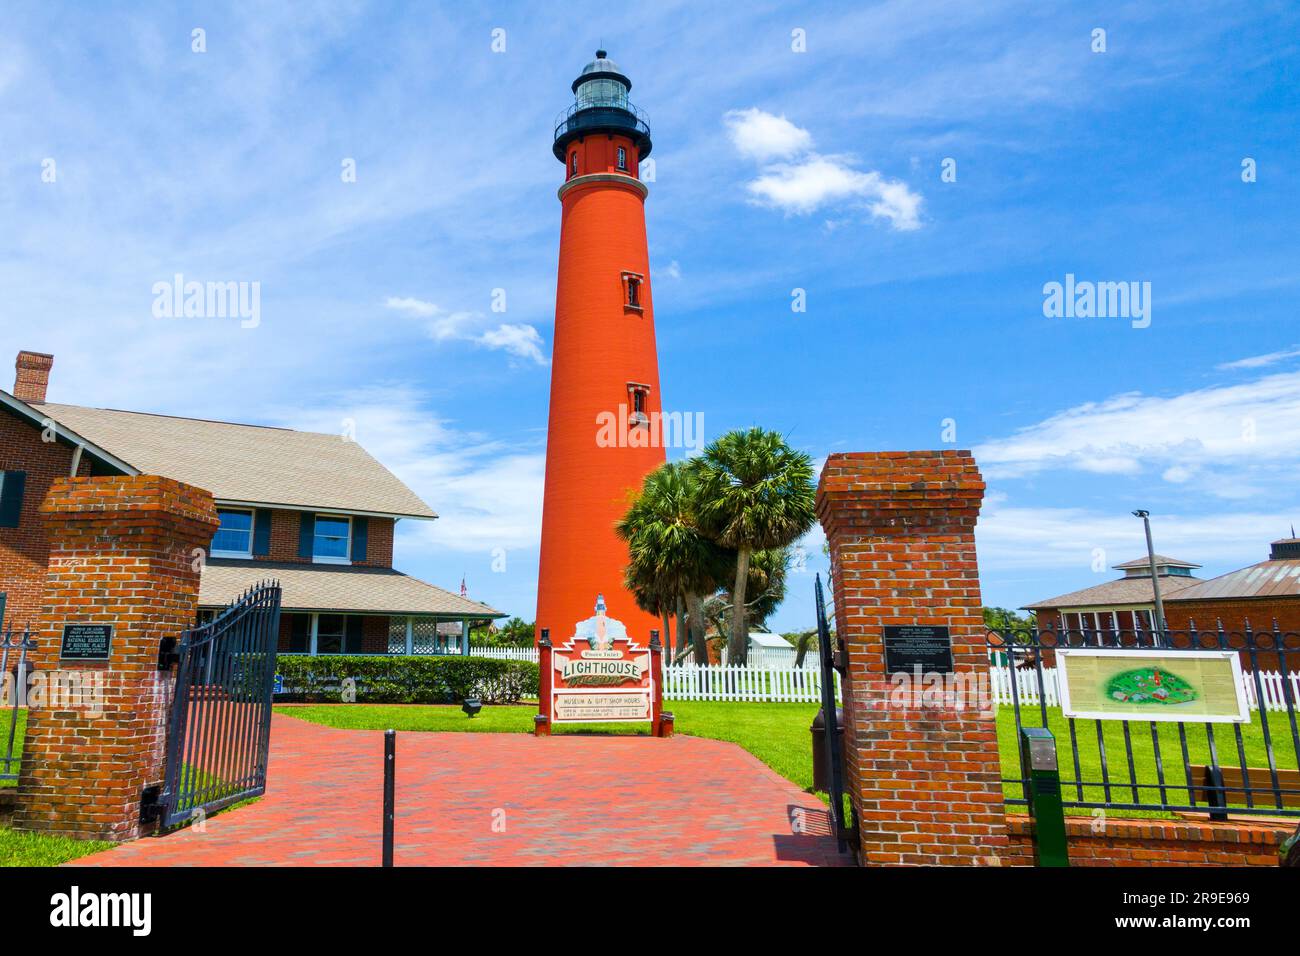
(565, 800)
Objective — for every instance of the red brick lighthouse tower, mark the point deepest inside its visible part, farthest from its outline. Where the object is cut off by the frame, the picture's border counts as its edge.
(604, 374)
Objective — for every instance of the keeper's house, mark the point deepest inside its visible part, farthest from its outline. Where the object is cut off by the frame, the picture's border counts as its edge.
(313, 511)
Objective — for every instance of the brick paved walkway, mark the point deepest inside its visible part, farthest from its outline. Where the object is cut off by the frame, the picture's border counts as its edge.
(565, 800)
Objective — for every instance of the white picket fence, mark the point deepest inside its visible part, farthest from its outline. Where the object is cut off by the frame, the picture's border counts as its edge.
(504, 653)
(753, 684)
(747, 684)
(1026, 687)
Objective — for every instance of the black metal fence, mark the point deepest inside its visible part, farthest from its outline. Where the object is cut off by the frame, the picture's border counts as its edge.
(831, 658)
(1172, 766)
(219, 736)
(15, 650)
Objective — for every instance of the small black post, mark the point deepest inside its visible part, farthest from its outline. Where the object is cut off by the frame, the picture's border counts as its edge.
(390, 766)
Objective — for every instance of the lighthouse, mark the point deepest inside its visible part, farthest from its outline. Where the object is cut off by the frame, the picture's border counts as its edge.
(605, 402)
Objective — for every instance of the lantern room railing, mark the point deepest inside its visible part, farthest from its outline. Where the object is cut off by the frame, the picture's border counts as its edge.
(602, 112)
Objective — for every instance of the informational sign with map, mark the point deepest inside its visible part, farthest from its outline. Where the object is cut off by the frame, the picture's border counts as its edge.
(601, 675)
(1110, 684)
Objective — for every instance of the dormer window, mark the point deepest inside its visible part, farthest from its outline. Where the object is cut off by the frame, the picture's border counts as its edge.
(622, 159)
(632, 290)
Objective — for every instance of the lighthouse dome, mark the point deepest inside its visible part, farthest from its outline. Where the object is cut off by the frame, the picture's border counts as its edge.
(602, 64)
(602, 75)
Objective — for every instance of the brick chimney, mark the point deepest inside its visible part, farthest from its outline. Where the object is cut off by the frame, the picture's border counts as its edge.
(32, 376)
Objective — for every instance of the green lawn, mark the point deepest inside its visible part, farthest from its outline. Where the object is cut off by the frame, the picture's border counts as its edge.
(21, 729)
(1144, 762)
(37, 849)
(777, 734)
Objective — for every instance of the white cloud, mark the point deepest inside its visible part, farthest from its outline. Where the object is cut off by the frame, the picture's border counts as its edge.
(1217, 434)
(805, 181)
(417, 307)
(761, 136)
(1260, 361)
(517, 339)
(1029, 538)
(520, 340)
(487, 493)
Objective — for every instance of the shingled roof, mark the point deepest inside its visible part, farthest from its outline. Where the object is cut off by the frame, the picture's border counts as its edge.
(336, 588)
(251, 464)
(1122, 593)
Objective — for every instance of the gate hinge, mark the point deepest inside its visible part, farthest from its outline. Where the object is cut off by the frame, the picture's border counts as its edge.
(151, 804)
(168, 656)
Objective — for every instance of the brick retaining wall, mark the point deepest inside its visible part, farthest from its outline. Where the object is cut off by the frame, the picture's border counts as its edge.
(1136, 842)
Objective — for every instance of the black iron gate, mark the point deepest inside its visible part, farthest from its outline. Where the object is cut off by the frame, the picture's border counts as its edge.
(831, 656)
(220, 729)
(15, 668)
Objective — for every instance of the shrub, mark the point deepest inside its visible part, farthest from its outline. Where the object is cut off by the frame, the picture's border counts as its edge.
(384, 679)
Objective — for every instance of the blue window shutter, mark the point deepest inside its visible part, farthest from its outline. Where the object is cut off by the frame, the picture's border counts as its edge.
(306, 534)
(360, 529)
(3, 597)
(11, 498)
(352, 643)
(261, 532)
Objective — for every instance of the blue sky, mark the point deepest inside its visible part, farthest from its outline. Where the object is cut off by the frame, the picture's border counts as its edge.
(776, 170)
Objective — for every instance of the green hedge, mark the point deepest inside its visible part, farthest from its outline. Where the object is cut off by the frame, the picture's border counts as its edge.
(383, 679)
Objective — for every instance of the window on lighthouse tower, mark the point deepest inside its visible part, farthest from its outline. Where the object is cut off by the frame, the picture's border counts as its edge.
(638, 393)
(632, 290)
(622, 158)
(573, 163)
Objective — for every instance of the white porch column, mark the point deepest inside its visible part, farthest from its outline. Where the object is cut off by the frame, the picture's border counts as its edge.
(464, 637)
(410, 635)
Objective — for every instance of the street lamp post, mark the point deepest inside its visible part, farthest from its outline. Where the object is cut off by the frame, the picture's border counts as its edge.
(1155, 579)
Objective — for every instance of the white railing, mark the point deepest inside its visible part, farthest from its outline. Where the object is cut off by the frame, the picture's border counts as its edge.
(1027, 687)
(504, 653)
(747, 684)
(1273, 687)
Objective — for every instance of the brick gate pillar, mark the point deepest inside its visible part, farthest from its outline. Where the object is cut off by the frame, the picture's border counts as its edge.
(122, 553)
(921, 764)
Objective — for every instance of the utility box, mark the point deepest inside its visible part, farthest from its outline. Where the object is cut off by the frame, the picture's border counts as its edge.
(1038, 758)
(821, 772)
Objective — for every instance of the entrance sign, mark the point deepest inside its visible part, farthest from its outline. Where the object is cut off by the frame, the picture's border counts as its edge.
(601, 675)
(86, 642)
(1115, 684)
(910, 646)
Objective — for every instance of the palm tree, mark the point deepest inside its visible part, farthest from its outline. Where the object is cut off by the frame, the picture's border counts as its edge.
(669, 555)
(755, 492)
(764, 591)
